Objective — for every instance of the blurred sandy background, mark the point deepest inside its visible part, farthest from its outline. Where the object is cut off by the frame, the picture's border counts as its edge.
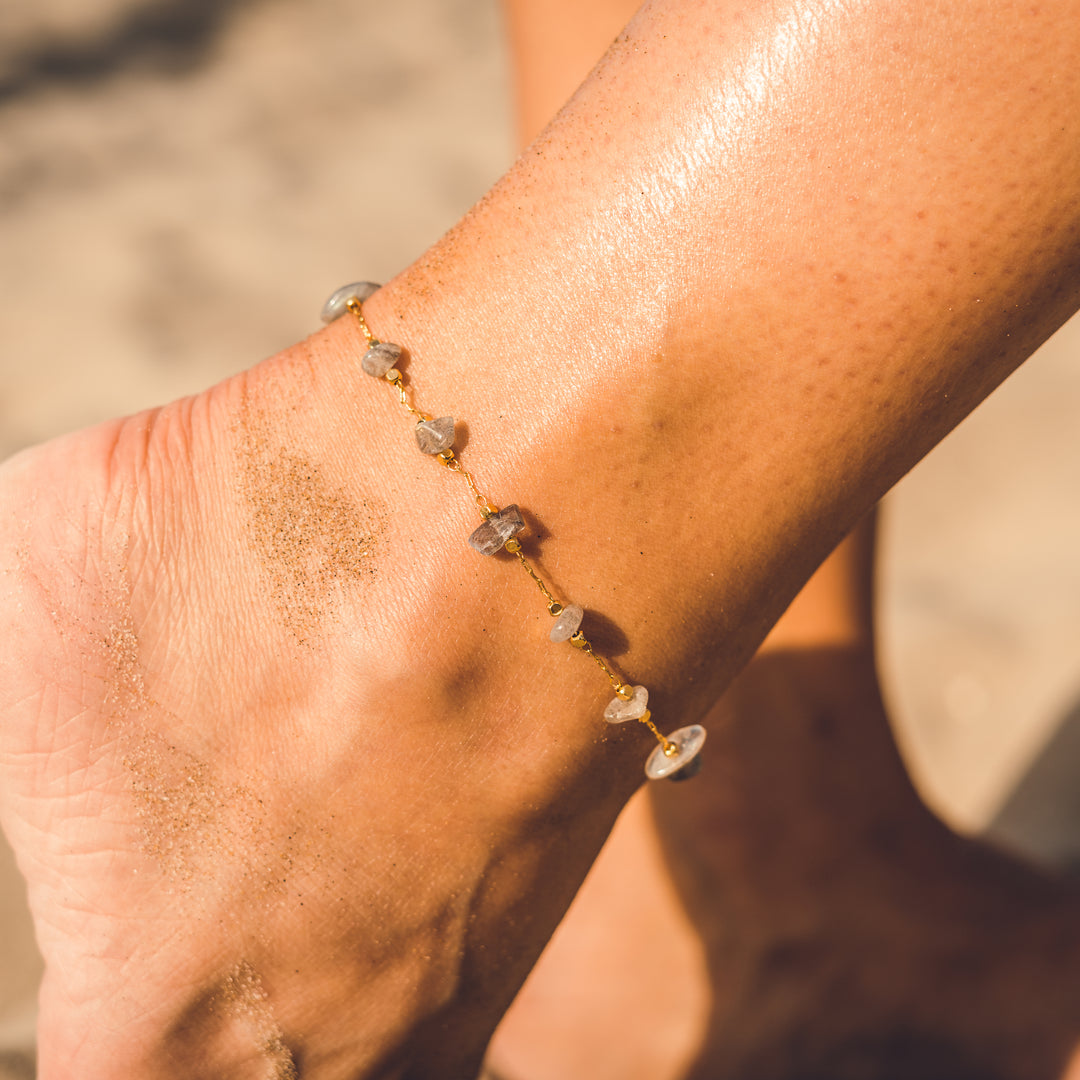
(183, 181)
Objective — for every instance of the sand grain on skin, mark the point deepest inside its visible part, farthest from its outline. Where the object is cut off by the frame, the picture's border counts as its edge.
(191, 818)
(314, 540)
(243, 998)
(188, 821)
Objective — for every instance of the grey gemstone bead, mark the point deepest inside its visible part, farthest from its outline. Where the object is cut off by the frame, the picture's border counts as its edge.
(493, 533)
(688, 740)
(435, 436)
(335, 307)
(619, 711)
(379, 359)
(688, 771)
(567, 623)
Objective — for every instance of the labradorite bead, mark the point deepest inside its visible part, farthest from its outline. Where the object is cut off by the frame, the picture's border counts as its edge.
(379, 359)
(435, 436)
(567, 623)
(634, 708)
(689, 770)
(493, 533)
(688, 740)
(335, 307)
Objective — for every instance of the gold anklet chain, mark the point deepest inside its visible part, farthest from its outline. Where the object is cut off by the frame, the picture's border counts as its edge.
(677, 755)
(487, 508)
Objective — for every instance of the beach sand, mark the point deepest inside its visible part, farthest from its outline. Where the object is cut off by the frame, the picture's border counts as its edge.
(181, 185)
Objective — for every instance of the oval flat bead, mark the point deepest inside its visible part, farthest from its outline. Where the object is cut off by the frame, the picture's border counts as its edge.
(688, 771)
(567, 623)
(435, 436)
(634, 708)
(493, 533)
(379, 359)
(689, 741)
(335, 307)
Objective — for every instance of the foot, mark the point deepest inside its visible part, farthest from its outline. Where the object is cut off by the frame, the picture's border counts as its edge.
(797, 913)
(280, 793)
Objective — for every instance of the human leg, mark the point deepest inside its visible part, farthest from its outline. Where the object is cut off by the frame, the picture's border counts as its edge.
(813, 918)
(393, 819)
(626, 948)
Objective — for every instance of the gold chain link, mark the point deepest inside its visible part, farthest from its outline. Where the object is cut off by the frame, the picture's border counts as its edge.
(357, 309)
(394, 379)
(482, 500)
(586, 647)
(669, 747)
(536, 577)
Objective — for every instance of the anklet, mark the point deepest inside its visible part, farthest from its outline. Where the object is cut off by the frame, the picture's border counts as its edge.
(678, 755)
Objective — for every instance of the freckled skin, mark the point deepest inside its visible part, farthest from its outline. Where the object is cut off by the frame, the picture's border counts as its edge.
(432, 782)
(710, 850)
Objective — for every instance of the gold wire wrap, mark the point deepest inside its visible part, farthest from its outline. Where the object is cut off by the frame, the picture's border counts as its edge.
(482, 500)
(403, 394)
(357, 309)
(487, 508)
(670, 748)
(536, 577)
(613, 677)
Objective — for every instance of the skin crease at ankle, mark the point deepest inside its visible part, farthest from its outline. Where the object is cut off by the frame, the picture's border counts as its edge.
(750, 366)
